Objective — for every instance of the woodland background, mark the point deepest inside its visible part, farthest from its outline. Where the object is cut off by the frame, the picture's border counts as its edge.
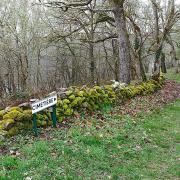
(47, 45)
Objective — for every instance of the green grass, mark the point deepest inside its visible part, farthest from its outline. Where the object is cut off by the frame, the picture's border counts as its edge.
(114, 148)
(171, 75)
(117, 147)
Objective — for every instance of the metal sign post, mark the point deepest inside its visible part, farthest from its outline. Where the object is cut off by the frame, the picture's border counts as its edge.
(35, 125)
(39, 105)
(53, 116)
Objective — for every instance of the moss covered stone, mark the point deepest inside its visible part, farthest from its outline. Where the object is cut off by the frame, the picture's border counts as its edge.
(26, 115)
(68, 93)
(65, 106)
(68, 112)
(13, 131)
(42, 123)
(72, 97)
(66, 101)
(6, 124)
(14, 114)
(80, 93)
(2, 114)
(16, 109)
(75, 100)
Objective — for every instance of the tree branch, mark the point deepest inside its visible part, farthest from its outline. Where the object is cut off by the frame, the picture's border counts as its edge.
(65, 6)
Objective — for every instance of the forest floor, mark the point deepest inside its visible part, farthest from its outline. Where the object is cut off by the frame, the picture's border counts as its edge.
(137, 140)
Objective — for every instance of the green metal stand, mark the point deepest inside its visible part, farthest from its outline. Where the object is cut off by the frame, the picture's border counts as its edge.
(53, 116)
(35, 124)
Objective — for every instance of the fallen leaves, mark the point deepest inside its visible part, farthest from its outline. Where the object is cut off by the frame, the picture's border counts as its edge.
(169, 92)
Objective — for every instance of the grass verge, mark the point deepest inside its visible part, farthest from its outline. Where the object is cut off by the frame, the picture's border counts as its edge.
(100, 147)
(171, 75)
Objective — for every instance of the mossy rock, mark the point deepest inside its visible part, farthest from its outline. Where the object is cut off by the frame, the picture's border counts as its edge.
(24, 125)
(2, 114)
(59, 103)
(99, 89)
(60, 118)
(72, 97)
(42, 117)
(28, 112)
(69, 92)
(7, 124)
(66, 101)
(13, 131)
(14, 114)
(108, 88)
(15, 109)
(80, 93)
(41, 123)
(26, 115)
(65, 106)
(85, 105)
(77, 101)
(92, 92)
(68, 112)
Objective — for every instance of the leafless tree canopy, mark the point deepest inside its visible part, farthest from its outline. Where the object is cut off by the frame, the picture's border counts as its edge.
(49, 44)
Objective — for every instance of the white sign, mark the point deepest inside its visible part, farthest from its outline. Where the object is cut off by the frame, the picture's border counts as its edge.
(43, 104)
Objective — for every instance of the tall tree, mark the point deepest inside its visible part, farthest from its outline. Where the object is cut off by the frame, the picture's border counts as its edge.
(124, 44)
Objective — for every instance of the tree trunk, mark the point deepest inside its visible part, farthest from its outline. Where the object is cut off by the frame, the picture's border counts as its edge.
(38, 74)
(158, 52)
(73, 78)
(177, 69)
(163, 64)
(138, 44)
(24, 72)
(116, 58)
(142, 71)
(124, 44)
(92, 62)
